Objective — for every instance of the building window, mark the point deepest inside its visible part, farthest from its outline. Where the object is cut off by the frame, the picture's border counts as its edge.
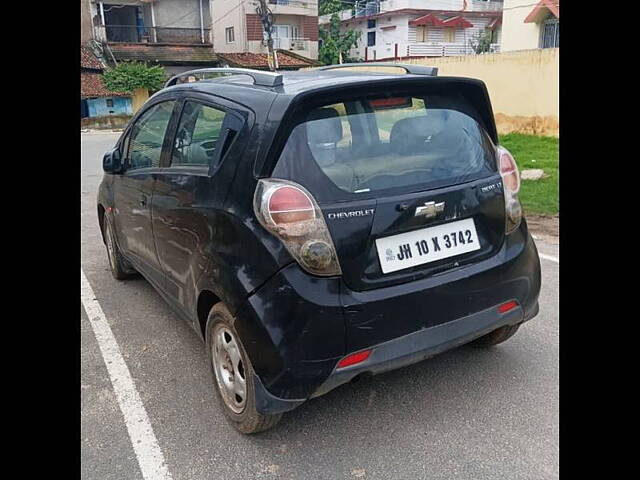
(422, 34)
(550, 34)
(371, 23)
(450, 35)
(110, 102)
(229, 34)
(371, 39)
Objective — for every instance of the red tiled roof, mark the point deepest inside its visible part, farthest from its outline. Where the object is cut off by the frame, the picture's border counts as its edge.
(422, 11)
(163, 53)
(91, 86)
(89, 60)
(286, 60)
(542, 9)
(429, 19)
(457, 22)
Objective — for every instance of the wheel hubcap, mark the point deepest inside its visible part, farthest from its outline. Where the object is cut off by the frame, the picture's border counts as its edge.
(229, 369)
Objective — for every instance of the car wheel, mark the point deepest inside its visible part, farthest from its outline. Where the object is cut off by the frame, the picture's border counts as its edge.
(120, 267)
(233, 374)
(499, 335)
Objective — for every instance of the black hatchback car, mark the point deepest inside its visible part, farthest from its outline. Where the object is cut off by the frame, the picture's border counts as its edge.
(316, 226)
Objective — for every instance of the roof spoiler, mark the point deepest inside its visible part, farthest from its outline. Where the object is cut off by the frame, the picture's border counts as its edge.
(266, 79)
(412, 69)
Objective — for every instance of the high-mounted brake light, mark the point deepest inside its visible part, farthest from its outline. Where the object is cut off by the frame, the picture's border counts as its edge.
(290, 213)
(511, 181)
(354, 358)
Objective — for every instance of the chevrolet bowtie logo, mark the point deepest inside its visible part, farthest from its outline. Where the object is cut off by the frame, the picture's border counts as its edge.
(430, 209)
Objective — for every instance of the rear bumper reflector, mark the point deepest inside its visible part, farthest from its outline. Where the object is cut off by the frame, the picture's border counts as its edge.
(354, 358)
(505, 307)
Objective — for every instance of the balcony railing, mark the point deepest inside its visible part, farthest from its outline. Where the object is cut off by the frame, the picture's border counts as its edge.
(364, 8)
(293, 3)
(140, 34)
(445, 49)
(286, 43)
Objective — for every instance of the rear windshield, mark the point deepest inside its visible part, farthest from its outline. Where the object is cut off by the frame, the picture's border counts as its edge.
(390, 143)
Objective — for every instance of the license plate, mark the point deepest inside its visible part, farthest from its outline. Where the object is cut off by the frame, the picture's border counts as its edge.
(426, 245)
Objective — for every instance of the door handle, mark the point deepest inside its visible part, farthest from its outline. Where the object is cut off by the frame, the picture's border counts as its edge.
(143, 200)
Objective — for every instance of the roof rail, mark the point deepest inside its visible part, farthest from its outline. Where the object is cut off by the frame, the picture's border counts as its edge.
(267, 79)
(412, 69)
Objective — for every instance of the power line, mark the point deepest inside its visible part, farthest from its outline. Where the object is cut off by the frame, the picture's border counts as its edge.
(222, 17)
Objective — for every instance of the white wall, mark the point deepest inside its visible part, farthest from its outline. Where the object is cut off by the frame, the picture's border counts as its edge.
(227, 13)
(517, 35)
(454, 5)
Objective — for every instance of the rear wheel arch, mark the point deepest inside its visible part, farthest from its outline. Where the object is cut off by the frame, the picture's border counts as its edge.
(256, 338)
(206, 300)
(101, 212)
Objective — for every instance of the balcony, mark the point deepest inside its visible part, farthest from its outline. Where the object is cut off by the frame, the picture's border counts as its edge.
(141, 34)
(285, 43)
(293, 7)
(445, 49)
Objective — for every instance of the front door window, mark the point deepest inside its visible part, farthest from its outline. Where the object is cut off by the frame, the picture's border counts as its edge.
(147, 136)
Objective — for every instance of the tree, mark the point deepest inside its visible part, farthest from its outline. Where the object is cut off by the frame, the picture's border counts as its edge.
(334, 44)
(129, 76)
(332, 6)
(481, 43)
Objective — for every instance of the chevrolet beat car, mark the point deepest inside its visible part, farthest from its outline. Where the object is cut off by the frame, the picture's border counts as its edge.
(316, 226)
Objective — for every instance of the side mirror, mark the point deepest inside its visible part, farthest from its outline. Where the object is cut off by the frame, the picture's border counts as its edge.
(112, 161)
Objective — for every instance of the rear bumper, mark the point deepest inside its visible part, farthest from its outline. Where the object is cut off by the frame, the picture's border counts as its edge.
(403, 351)
(297, 327)
(418, 346)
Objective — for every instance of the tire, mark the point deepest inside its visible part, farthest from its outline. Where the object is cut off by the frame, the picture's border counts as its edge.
(120, 267)
(229, 363)
(499, 335)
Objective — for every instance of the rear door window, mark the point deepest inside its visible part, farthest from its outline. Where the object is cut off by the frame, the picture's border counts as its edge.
(379, 144)
(198, 135)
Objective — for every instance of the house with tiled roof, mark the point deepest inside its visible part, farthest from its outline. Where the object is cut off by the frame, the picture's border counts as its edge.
(96, 100)
(260, 61)
(531, 24)
(173, 33)
(399, 29)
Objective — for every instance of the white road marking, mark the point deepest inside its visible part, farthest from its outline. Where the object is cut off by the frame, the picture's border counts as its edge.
(549, 257)
(150, 458)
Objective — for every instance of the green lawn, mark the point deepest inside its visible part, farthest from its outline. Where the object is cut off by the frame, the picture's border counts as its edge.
(532, 151)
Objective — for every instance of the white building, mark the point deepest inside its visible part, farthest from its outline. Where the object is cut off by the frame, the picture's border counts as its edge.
(420, 28)
(528, 25)
(237, 27)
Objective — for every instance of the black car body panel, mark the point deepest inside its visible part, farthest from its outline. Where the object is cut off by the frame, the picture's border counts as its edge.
(192, 232)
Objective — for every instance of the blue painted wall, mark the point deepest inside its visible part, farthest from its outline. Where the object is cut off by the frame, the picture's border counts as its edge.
(98, 106)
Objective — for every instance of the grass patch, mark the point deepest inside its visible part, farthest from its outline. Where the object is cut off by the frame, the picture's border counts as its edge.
(532, 151)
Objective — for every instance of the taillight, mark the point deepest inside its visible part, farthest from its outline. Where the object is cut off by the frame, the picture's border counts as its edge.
(511, 182)
(289, 205)
(290, 212)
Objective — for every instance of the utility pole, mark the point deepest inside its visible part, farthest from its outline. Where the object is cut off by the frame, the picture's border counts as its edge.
(266, 17)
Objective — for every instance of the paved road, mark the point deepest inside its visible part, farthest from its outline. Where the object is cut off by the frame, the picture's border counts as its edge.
(469, 414)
